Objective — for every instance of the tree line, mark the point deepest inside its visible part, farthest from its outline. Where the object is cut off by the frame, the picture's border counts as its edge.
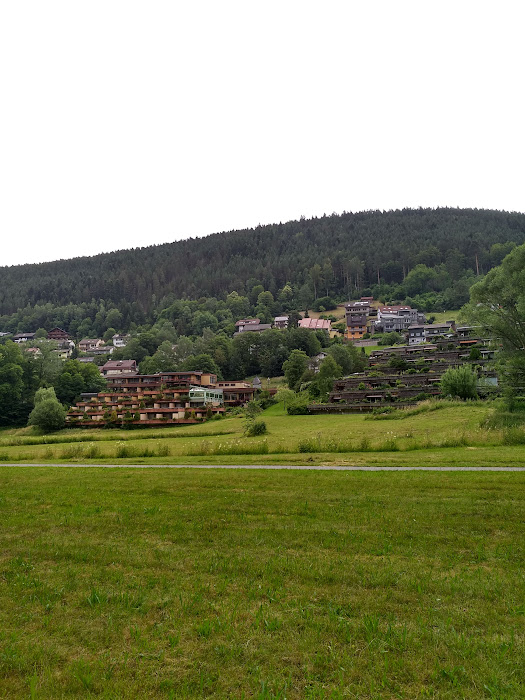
(429, 255)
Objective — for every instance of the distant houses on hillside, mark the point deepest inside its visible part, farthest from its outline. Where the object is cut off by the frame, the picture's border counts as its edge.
(367, 316)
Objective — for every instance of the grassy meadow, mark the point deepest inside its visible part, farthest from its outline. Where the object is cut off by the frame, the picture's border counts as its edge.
(436, 433)
(247, 584)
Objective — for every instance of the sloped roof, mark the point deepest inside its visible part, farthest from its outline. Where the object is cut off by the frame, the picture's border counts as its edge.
(315, 324)
(120, 364)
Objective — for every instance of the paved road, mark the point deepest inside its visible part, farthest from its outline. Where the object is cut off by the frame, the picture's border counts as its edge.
(305, 467)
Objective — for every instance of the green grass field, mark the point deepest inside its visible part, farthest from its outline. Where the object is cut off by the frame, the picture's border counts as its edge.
(452, 435)
(243, 584)
(442, 317)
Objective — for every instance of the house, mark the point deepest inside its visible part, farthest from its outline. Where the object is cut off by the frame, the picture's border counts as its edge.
(236, 393)
(253, 328)
(243, 322)
(436, 330)
(118, 367)
(204, 395)
(85, 360)
(427, 333)
(357, 313)
(64, 350)
(35, 352)
(23, 337)
(120, 341)
(416, 334)
(397, 319)
(87, 344)
(281, 322)
(316, 324)
(103, 350)
(315, 362)
(57, 334)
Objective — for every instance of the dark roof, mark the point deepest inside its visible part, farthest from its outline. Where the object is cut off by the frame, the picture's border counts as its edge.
(24, 335)
(120, 364)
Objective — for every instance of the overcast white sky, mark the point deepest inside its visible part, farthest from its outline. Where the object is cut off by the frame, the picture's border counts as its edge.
(124, 124)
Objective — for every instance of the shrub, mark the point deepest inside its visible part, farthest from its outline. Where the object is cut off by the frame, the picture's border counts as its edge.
(325, 302)
(258, 427)
(391, 339)
(297, 409)
(92, 452)
(163, 450)
(460, 382)
(514, 436)
(48, 413)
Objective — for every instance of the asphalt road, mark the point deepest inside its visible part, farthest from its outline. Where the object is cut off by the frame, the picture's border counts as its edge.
(305, 467)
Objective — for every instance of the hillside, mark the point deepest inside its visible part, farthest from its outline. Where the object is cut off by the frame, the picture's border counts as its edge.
(352, 252)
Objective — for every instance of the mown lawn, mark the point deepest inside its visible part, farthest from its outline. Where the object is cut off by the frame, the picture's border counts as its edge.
(229, 584)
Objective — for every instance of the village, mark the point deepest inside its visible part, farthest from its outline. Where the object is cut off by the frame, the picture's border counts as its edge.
(399, 375)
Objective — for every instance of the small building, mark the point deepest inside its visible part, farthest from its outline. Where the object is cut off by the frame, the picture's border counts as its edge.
(281, 322)
(88, 344)
(433, 330)
(202, 395)
(23, 337)
(397, 319)
(428, 332)
(242, 323)
(103, 350)
(119, 367)
(120, 341)
(253, 328)
(57, 334)
(236, 393)
(315, 362)
(357, 313)
(64, 351)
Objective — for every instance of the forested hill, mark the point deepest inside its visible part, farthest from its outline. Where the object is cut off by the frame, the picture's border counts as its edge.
(352, 251)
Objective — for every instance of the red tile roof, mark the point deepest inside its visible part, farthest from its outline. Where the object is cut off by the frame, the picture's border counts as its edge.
(315, 324)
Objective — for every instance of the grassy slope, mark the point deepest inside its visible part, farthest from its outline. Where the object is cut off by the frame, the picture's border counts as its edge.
(178, 584)
(284, 435)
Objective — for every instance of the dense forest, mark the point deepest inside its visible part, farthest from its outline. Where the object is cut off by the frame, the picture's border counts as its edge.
(412, 253)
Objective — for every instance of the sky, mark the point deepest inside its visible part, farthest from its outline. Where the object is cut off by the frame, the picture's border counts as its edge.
(126, 124)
